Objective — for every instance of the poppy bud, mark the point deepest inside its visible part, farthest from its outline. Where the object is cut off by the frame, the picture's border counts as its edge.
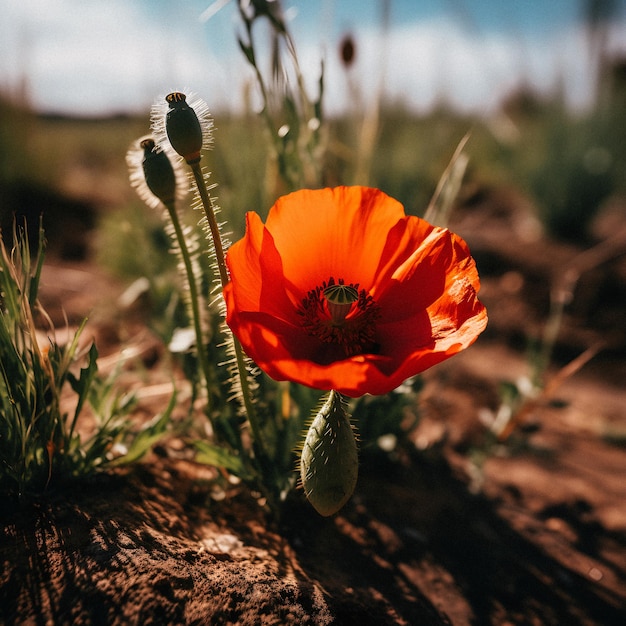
(347, 50)
(158, 172)
(183, 127)
(329, 461)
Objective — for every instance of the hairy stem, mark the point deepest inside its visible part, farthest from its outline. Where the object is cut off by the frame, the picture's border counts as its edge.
(224, 279)
(194, 300)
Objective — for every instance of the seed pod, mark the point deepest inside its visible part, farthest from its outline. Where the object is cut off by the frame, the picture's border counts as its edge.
(329, 460)
(159, 172)
(156, 173)
(183, 127)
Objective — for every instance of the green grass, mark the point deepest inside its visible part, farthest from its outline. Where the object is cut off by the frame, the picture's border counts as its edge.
(45, 387)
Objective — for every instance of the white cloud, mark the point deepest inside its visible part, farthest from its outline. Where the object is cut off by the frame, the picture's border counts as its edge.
(95, 57)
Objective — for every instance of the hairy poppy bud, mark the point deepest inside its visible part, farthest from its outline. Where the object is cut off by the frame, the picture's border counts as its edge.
(158, 172)
(183, 127)
(329, 461)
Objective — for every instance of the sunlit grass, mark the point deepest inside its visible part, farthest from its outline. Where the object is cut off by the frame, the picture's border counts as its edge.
(45, 389)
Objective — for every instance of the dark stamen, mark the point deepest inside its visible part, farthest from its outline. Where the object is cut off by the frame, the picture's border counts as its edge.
(342, 315)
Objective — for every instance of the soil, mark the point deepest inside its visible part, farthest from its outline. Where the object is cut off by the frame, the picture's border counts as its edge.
(450, 528)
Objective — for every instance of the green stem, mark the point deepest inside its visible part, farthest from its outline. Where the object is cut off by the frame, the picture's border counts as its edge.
(195, 300)
(279, 150)
(224, 279)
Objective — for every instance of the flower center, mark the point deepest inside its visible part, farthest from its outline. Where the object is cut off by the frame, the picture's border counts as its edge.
(341, 314)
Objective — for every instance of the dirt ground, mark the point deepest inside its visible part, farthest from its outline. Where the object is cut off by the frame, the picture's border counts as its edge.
(534, 534)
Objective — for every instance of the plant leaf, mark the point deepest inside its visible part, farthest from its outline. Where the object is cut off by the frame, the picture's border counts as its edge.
(150, 434)
(210, 454)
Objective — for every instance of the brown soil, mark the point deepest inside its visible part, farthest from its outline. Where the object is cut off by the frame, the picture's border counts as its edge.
(533, 534)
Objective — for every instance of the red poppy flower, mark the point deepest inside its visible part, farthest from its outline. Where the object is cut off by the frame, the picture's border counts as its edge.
(341, 290)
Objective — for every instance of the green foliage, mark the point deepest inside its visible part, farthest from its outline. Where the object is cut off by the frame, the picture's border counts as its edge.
(133, 245)
(293, 119)
(218, 456)
(262, 452)
(385, 421)
(42, 397)
(570, 165)
(412, 151)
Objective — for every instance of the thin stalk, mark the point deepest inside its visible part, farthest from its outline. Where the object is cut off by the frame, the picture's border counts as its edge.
(224, 279)
(203, 358)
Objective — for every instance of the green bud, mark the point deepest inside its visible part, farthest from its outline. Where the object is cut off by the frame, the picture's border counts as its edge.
(183, 127)
(329, 460)
(158, 172)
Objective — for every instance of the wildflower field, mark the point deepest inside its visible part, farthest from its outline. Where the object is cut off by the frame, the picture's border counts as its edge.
(282, 368)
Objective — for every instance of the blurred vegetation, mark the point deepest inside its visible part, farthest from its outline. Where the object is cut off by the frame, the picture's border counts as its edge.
(567, 163)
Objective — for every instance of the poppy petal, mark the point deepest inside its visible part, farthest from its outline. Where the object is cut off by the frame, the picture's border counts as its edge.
(435, 270)
(252, 260)
(332, 233)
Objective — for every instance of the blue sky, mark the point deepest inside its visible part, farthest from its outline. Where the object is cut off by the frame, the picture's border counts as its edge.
(92, 57)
